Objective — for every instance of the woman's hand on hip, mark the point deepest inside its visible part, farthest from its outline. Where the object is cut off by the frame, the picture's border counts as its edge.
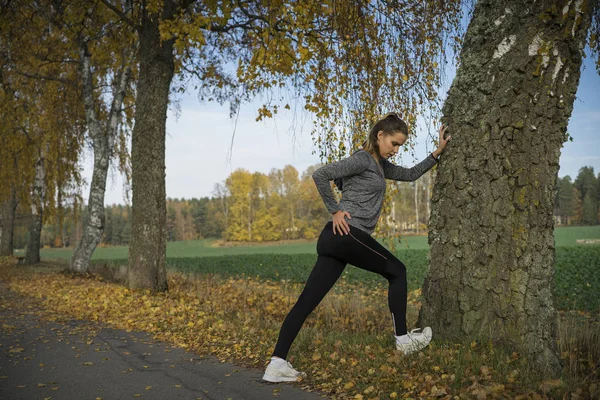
(339, 222)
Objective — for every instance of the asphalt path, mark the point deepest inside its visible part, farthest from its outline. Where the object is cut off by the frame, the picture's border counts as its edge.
(76, 360)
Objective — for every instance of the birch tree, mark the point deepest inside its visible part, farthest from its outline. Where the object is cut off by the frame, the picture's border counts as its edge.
(491, 227)
(104, 116)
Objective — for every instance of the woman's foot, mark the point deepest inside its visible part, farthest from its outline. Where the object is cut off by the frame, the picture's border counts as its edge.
(413, 341)
(279, 370)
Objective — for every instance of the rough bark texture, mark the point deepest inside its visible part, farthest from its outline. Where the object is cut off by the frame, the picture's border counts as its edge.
(148, 243)
(32, 254)
(103, 141)
(7, 224)
(491, 226)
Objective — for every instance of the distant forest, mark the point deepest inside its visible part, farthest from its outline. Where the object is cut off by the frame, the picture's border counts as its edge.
(284, 205)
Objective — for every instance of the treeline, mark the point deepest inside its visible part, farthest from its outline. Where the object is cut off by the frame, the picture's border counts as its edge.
(285, 205)
(577, 202)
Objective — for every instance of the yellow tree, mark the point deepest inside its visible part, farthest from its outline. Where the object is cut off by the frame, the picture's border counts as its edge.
(264, 227)
(106, 57)
(239, 223)
(42, 130)
(84, 54)
(312, 211)
(14, 153)
(290, 187)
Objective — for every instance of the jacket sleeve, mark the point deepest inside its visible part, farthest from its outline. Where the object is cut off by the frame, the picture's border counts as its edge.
(399, 173)
(352, 165)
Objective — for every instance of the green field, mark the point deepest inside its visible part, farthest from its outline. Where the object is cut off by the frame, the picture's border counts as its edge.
(207, 248)
(204, 248)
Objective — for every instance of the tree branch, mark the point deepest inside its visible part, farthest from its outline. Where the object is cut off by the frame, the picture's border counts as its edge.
(88, 90)
(45, 77)
(119, 94)
(120, 14)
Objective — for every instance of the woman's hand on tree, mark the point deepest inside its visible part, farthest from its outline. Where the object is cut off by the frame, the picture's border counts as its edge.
(339, 222)
(443, 141)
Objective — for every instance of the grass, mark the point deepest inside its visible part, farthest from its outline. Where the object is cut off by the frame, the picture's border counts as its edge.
(564, 236)
(576, 283)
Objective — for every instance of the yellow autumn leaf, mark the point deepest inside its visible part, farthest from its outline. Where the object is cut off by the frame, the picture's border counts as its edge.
(550, 384)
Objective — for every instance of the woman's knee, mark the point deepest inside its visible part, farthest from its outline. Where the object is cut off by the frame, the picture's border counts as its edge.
(395, 269)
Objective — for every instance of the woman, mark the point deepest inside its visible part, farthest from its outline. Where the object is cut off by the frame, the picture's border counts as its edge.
(347, 238)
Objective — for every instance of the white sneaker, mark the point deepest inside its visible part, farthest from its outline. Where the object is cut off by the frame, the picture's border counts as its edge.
(279, 370)
(413, 341)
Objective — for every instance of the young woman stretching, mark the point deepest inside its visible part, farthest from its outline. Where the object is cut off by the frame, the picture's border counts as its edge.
(347, 238)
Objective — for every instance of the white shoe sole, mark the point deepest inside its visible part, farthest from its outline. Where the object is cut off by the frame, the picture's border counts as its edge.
(277, 379)
(411, 349)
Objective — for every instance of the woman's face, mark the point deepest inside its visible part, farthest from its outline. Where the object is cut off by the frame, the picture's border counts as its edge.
(390, 144)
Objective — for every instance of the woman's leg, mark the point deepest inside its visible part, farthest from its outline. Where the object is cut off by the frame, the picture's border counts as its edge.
(325, 273)
(363, 251)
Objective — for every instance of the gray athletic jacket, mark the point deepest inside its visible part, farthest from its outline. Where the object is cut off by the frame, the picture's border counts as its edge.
(363, 185)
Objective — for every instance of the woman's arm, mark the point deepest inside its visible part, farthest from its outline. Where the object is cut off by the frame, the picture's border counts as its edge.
(399, 173)
(352, 165)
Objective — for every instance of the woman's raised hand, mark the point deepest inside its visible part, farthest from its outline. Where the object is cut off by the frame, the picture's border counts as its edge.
(443, 141)
(339, 222)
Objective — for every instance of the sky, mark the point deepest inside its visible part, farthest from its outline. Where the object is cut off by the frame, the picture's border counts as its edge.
(200, 137)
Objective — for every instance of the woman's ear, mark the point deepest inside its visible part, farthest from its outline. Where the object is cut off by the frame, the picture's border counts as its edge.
(379, 135)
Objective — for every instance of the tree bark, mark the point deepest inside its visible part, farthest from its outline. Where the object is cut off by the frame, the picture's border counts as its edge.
(7, 224)
(148, 243)
(491, 236)
(32, 254)
(103, 142)
(417, 206)
(58, 221)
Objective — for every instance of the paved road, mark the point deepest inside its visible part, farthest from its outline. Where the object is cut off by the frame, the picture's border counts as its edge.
(77, 360)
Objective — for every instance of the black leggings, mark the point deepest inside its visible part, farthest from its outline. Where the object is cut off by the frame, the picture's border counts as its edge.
(334, 252)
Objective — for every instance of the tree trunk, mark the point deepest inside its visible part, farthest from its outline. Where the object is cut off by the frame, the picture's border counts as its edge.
(491, 236)
(417, 206)
(7, 224)
(148, 242)
(58, 221)
(32, 254)
(103, 140)
(428, 198)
